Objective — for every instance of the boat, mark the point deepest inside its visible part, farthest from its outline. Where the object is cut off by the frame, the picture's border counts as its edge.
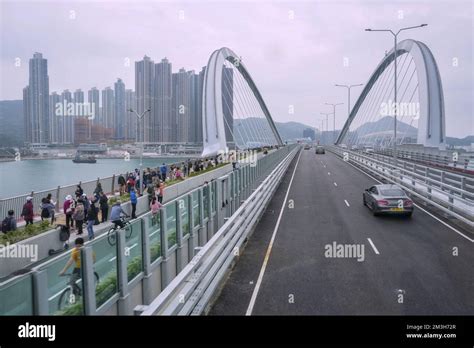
(83, 159)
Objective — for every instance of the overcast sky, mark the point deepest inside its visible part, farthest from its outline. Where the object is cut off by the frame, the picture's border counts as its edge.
(293, 50)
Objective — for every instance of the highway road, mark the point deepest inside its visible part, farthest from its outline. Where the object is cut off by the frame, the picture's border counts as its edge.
(416, 266)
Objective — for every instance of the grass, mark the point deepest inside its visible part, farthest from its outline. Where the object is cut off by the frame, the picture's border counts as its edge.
(25, 232)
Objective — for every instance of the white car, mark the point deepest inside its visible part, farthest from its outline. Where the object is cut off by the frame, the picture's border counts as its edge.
(369, 150)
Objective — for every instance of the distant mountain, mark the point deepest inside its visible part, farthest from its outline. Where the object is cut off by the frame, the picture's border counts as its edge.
(466, 141)
(291, 130)
(287, 130)
(385, 124)
(11, 123)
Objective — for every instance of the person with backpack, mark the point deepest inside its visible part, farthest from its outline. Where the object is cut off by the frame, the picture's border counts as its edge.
(133, 200)
(86, 203)
(27, 211)
(91, 217)
(9, 223)
(79, 191)
(98, 190)
(104, 206)
(78, 216)
(47, 210)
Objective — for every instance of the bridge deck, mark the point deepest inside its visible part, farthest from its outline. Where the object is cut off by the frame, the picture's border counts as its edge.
(415, 255)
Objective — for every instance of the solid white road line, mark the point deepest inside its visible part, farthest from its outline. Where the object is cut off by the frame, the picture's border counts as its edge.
(270, 246)
(373, 246)
(416, 205)
(347, 203)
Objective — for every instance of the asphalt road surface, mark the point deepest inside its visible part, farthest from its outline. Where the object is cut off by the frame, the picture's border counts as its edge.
(416, 266)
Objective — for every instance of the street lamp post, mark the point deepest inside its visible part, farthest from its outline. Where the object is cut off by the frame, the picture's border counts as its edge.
(321, 131)
(349, 95)
(140, 117)
(395, 35)
(334, 119)
(327, 120)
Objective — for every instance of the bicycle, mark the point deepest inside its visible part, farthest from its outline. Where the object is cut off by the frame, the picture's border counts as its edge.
(73, 291)
(112, 233)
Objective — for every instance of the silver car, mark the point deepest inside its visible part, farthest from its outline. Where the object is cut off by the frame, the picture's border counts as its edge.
(388, 199)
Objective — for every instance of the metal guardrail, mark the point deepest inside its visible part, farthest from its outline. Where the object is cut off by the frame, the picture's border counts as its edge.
(465, 161)
(109, 185)
(194, 287)
(421, 185)
(447, 181)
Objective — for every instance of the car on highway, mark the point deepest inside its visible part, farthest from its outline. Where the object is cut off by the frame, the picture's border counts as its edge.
(369, 149)
(307, 147)
(319, 150)
(388, 199)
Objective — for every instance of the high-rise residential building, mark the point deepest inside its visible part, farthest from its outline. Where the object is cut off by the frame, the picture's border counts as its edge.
(54, 121)
(130, 117)
(119, 109)
(144, 92)
(65, 120)
(26, 113)
(199, 98)
(182, 105)
(108, 106)
(36, 96)
(93, 98)
(78, 96)
(196, 107)
(228, 104)
(163, 102)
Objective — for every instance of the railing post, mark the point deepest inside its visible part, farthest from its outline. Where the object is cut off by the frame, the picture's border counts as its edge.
(210, 222)
(164, 249)
(124, 295)
(192, 238)
(88, 281)
(40, 293)
(201, 218)
(113, 185)
(179, 237)
(57, 197)
(463, 187)
(147, 284)
(442, 180)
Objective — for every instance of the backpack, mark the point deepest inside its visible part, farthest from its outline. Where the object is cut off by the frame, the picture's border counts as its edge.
(24, 212)
(6, 224)
(45, 213)
(64, 233)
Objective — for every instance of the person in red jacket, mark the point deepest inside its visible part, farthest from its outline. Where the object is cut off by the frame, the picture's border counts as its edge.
(27, 211)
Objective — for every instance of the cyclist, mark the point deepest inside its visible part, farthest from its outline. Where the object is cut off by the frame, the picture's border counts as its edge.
(76, 260)
(116, 215)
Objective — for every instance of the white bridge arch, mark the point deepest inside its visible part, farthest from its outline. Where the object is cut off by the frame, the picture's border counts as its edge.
(214, 135)
(431, 123)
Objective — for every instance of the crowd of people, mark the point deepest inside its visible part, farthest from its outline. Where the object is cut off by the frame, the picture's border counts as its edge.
(80, 210)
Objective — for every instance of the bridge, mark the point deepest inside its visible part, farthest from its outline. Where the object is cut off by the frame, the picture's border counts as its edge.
(288, 233)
